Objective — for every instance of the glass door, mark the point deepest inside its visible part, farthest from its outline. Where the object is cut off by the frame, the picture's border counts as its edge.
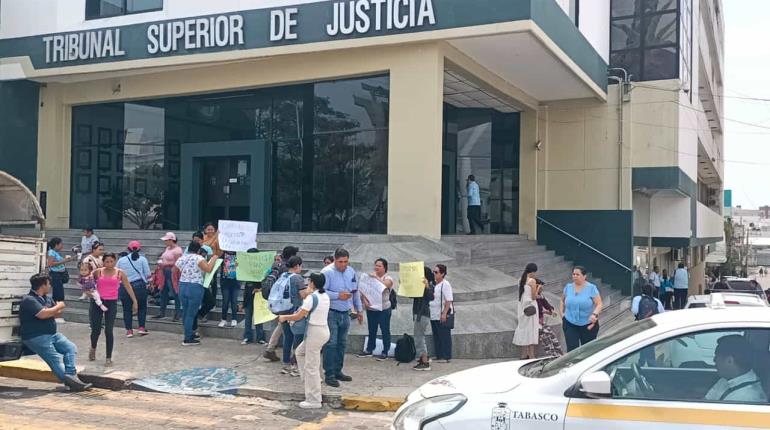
(225, 188)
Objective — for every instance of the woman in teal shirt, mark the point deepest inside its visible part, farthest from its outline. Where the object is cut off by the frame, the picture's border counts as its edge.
(56, 267)
(580, 305)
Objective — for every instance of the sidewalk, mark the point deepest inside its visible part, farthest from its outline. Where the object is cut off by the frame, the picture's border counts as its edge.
(374, 383)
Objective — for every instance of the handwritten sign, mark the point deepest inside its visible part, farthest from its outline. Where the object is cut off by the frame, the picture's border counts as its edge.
(411, 276)
(210, 276)
(372, 289)
(262, 313)
(253, 266)
(237, 236)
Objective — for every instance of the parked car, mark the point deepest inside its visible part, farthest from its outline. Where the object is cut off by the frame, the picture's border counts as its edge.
(725, 299)
(625, 380)
(739, 285)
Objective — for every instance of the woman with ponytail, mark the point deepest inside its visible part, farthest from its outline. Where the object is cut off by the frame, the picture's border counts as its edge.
(137, 269)
(527, 330)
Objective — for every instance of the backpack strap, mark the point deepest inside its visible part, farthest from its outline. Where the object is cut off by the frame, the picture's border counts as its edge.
(736, 388)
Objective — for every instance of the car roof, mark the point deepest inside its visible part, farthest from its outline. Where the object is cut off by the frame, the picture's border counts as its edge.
(731, 314)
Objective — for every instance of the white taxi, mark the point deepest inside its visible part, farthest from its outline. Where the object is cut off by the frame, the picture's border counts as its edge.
(625, 380)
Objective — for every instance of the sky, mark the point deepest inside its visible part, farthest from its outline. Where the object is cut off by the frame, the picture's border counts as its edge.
(747, 74)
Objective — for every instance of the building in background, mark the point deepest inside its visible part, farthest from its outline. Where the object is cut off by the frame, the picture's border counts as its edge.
(368, 116)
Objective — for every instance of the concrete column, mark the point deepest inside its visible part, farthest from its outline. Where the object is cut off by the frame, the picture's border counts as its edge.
(415, 142)
(54, 155)
(528, 174)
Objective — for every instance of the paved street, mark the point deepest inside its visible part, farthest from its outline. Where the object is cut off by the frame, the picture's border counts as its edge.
(26, 405)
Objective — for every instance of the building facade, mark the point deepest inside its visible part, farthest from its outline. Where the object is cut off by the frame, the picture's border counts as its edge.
(367, 116)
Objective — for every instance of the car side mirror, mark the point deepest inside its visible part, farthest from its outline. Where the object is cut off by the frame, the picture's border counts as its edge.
(597, 384)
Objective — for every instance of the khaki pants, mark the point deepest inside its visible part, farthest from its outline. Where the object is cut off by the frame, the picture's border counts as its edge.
(308, 355)
(275, 337)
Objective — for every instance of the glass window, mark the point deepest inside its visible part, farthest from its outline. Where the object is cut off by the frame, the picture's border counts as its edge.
(626, 7)
(107, 8)
(725, 366)
(660, 5)
(660, 29)
(660, 63)
(351, 105)
(630, 60)
(626, 33)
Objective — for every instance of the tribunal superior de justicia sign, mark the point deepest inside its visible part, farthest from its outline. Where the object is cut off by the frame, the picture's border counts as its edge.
(260, 28)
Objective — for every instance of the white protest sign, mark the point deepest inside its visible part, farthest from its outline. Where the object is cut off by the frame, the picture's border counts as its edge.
(237, 236)
(372, 289)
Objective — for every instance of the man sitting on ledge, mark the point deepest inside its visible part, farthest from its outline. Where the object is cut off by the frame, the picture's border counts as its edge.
(38, 314)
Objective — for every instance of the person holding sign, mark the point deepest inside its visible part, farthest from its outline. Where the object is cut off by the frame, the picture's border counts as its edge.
(378, 317)
(342, 288)
(192, 267)
(211, 239)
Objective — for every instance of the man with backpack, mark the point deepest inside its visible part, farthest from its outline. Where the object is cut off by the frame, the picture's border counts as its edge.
(278, 268)
(285, 299)
(645, 305)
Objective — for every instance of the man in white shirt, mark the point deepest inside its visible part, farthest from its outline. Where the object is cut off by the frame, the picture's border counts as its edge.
(656, 281)
(474, 205)
(738, 382)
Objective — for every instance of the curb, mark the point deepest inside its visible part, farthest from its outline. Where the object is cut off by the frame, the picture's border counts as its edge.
(35, 370)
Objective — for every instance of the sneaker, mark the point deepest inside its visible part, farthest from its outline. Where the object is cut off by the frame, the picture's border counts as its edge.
(141, 331)
(310, 405)
(286, 370)
(233, 323)
(344, 378)
(271, 355)
(261, 342)
(332, 382)
(192, 342)
(129, 333)
(422, 367)
(74, 384)
(245, 342)
(364, 354)
(381, 357)
(294, 371)
(197, 336)
(222, 324)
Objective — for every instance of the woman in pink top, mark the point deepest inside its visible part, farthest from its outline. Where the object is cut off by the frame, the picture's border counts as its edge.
(167, 277)
(108, 280)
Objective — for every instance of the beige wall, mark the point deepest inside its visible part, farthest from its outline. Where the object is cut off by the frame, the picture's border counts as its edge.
(414, 193)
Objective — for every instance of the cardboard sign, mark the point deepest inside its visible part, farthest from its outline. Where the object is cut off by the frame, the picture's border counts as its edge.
(210, 276)
(237, 236)
(372, 289)
(410, 279)
(262, 313)
(253, 266)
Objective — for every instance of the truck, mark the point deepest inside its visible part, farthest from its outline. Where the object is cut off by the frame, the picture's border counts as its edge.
(22, 254)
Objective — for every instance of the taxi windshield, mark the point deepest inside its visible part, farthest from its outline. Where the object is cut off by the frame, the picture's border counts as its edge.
(548, 368)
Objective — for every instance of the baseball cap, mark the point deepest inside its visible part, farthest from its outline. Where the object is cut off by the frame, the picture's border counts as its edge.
(169, 236)
(134, 245)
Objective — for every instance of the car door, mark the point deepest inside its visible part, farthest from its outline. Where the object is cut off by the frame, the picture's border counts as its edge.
(700, 380)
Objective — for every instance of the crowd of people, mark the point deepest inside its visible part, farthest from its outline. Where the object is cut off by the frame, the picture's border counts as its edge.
(313, 311)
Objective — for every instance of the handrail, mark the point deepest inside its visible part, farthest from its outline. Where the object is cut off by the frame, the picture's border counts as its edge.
(555, 227)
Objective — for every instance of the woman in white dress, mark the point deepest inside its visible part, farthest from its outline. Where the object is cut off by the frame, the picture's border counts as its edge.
(527, 330)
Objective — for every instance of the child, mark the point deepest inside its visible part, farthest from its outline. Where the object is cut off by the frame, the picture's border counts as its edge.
(88, 285)
(548, 339)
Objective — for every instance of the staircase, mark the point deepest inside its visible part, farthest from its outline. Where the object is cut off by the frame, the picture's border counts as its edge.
(483, 270)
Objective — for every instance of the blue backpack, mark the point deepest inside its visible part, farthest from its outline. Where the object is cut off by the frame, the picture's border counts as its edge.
(279, 300)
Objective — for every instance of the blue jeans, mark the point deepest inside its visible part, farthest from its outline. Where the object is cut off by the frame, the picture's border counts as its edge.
(57, 352)
(140, 291)
(252, 333)
(288, 342)
(381, 319)
(230, 288)
(168, 292)
(334, 351)
(191, 296)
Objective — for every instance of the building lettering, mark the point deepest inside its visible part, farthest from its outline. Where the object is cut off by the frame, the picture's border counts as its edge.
(83, 46)
(190, 34)
(362, 16)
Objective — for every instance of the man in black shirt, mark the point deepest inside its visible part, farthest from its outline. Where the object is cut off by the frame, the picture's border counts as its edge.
(38, 315)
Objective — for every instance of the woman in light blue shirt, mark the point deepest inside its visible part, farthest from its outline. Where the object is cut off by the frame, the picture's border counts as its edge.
(58, 271)
(580, 305)
(137, 270)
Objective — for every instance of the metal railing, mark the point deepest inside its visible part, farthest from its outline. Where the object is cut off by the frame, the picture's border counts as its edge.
(583, 243)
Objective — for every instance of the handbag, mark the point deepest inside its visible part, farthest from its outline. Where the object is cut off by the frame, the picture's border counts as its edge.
(530, 310)
(450, 316)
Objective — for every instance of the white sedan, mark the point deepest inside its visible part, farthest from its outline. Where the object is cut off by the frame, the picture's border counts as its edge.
(625, 380)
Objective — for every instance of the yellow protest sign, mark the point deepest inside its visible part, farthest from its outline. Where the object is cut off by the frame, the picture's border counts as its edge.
(410, 279)
(253, 266)
(210, 276)
(262, 313)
